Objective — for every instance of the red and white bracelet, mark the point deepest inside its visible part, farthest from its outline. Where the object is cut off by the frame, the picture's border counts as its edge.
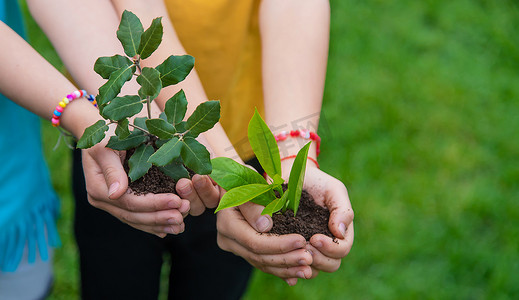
(302, 133)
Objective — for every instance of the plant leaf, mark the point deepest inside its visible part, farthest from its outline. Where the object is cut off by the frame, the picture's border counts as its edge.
(264, 145)
(123, 107)
(242, 194)
(205, 116)
(151, 38)
(113, 86)
(160, 128)
(93, 135)
(175, 170)
(136, 138)
(138, 163)
(297, 176)
(149, 79)
(141, 122)
(130, 32)
(122, 130)
(168, 152)
(175, 69)
(275, 205)
(106, 65)
(230, 174)
(196, 157)
(176, 107)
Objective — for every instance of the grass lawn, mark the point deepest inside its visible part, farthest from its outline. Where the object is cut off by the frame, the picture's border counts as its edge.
(421, 122)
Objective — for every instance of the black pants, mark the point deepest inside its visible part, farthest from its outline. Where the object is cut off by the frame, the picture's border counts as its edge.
(120, 262)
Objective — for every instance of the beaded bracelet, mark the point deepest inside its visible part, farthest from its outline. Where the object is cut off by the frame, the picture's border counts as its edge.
(303, 133)
(310, 158)
(66, 100)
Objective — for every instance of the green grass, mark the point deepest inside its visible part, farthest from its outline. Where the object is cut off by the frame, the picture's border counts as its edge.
(421, 122)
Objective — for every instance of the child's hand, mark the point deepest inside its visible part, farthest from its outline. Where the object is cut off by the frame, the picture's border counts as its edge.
(107, 188)
(201, 191)
(283, 256)
(330, 192)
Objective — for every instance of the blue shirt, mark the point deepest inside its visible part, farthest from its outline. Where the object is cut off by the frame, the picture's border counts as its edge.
(28, 204)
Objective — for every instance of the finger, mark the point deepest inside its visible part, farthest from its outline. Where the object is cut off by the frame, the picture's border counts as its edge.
(160, 231)
(341, 213)
(231, 224)
(186, 190)
(206, 190)
(285, 265)
(252, 213)
(291, 281)
(336, 248)
(315, 272)
(141, 203)
(110, 164)
(322, 262)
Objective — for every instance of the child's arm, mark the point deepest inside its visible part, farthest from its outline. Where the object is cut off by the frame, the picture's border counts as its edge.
(33, 83)
(295, 37)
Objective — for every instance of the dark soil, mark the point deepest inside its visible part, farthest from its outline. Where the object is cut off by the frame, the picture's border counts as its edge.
(154, 181)
(311, 219)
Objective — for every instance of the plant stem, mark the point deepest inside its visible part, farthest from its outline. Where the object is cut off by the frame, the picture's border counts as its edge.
(142, 129)
(148, 104)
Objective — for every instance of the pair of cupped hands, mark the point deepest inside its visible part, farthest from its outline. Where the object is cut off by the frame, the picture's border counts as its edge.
(239, 229)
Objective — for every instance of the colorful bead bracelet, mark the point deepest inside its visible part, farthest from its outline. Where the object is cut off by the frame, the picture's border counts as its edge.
(303, 133)
(66, 100)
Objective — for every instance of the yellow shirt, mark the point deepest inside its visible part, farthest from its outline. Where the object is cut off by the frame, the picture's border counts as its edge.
(223, 36)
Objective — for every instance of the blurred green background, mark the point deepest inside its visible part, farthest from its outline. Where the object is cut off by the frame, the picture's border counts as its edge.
(421, 122)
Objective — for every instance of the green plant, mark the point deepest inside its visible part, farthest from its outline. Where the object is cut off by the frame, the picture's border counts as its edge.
(167, 142)
(244, 184)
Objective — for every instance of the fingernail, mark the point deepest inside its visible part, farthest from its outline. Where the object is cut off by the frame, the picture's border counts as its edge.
(318, 244)
(173, 204)
(298, 245)
(302, 262)
(172, 221)
(342, 229)
(262, 224)
(311, 252)
(186, 189)
(300, 274)
(113, 188)
(198, 182)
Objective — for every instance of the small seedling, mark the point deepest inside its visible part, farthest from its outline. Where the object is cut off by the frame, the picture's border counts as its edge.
(168, 141)
(244, 184)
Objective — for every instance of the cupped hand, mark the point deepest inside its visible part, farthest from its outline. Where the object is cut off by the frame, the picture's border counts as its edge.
(107, 188)
(201, 191)
(331, 193)
(283, 256)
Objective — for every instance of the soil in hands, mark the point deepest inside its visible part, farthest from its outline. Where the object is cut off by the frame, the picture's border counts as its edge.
(154, 181)
(310, 219)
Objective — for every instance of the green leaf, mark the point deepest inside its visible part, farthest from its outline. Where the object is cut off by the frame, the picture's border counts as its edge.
(163, 116)
(230, 174)
(175, 170)
(297, 176)
(264, 145)
(106, 65)
(175, 69)
(113, 86)
(196, 157)
(123, 107)
(242, 194)
(151, 38)
(176, 107)
(150, 83)
(93, 135)
(122, 130)
(275, 205)
(138, 163)
(130, 32)
(168, 152)
(160, 128)
(277, 180)
(181, 127)
(141, 122)
(205, 116)
(135, 138)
